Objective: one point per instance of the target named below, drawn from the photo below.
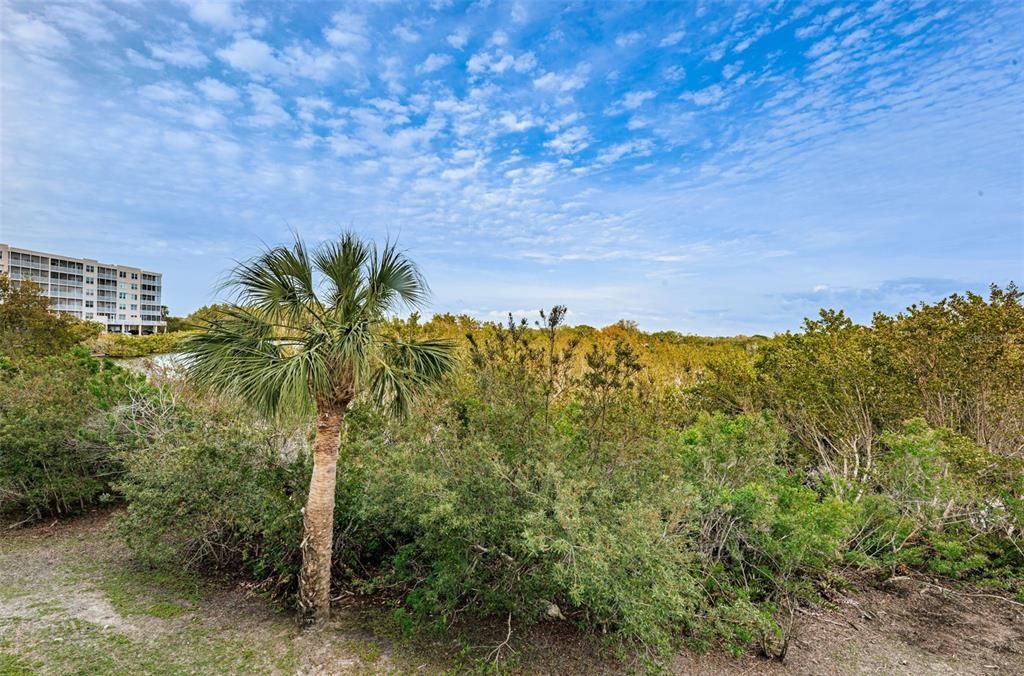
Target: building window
(135, 286)
(135, 275)
(135, 307)
(120, 316)
(89, 303)
(122, 295)
(121, 274)
(88, 280)
(88, 268)
(121, 307)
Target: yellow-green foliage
(118, 346)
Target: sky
(712, 168)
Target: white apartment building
(122, 298)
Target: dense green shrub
(207, 484)
(55, 454)
(941, 502)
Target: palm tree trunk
(318, 521)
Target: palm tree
(306, 333)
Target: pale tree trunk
(318, 522)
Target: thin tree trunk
(318, 521)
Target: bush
(548, 481)
(207, 485)
(940, 502)
(120, 346)
(55, 454)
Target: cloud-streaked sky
(707, 167)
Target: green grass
(73, 646)
(368, 652)
(12, 665)
(135, 589)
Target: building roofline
(33, 252)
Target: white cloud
(729, 71)
(639, 148)
(347, 31)
(675, 73)
(570, 141)
(635, 99)
(90, 21)
(512, 122)
(520, 14)
(628, 39)
(215, 90)
(266, 107)
(708, 96)
(251, 56)
(459, 38)
(392, 74)
(500, 62)
(32, 34)
(554, 82)
(185, 54)
(217, 13)
(315, 65)
(165, 92)
(433, 63)
(405, 33)
(141, 61)
(820, 47)
(672, 38)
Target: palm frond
(406, 367)
(241, 354)
(279, 283)
(393, 278)
(343, 264)
(285, 349)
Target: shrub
(940, 502)
(120, 346)
(55, 456)
(208, 485)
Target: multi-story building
(122, 298)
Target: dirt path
(73, 601)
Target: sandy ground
(73, 601)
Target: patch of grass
(12, 665)
(9, 592)
(45, 608)
(136, 590)
(367, 651)
(78, 647)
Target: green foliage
(942, 502)
(29, 329)
(55, 455)
(962, 361)
(209, 485)
(120, 346)
(568, 475)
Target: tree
(307, 331)
(28, 327)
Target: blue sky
(712, 168)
